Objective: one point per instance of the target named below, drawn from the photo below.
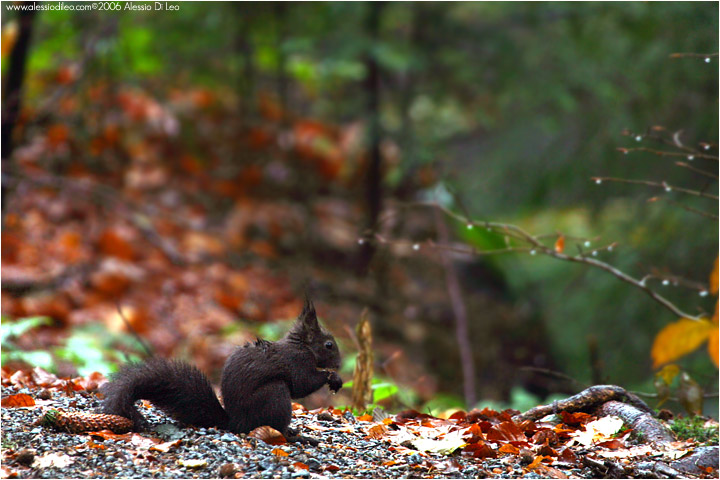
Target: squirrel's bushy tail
(177, 388)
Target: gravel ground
(30, 451)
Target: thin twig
(537, 247)
(460, 313)
(696, 55)
(685, 207)
(665, 153)
(663, 185)
(133, 332)
(697, 170)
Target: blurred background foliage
(511, 106)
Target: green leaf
(36, 358)
(384, 390)
(14, 329)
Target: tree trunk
(373, 178)
(13, 87)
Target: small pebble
(349, 416)
(227, 470)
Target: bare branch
(665, 153)
(664, 185)
(685, 207)
(535, 246)
(697, 170)
(693, 55)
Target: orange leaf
(536, 463)
(713, 344)
(679, 339)
(509, 448)
(279, 452)
(19, 400)
(560, 244)
(714, 278)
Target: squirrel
(258, 382)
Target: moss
(695, 428)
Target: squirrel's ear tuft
(308, 316)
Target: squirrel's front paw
(334, 382)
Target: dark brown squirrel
(258, 382)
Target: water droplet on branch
(666, 282)
(707, 59)
(416, 246)
(703, 293)
(638, 138)
(587, 243)
(598, 181)
(469, 226)
(691, 157)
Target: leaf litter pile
(479, 443)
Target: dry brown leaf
(19, 400)
(506, 432)
(268, 435)
(376, 431)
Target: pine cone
(76, 422)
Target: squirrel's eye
(329, 345)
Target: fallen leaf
(549, 472)
(613, 444)
(192, 463)
(279, 452)
(268, 435)
(19, 400)
(167, 446)
(599, 430)
(536, 463)
(509, 448)
(575, 418)
(376, 431)
(480, 450)
(52, 460)
(506, 432)
(444, 446)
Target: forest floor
(479, 444)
